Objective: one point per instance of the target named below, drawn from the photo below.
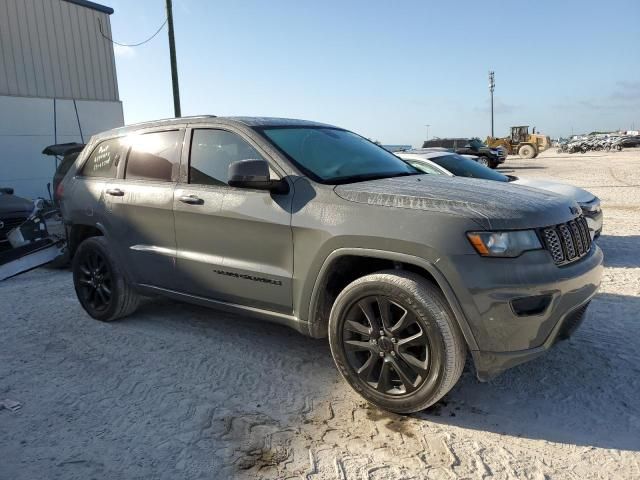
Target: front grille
(9, 224)
(567, 242)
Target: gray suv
(317, 228)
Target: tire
(527, 151)
(484, 161)
(493, 165)
(437, 356)
(101, 287)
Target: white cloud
(122, 51)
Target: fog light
(527, 306)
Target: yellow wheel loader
(521, 142)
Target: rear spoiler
(62, 149)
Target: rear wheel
(101, 287)
(527, 151)
(394, 339)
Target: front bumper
(490, 364)
(490, 287)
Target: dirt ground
(180, 392)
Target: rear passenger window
(154, 156)
(212, 151)
(103, 161)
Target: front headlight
(591, 207)
(504, 244)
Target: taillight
(59, 192)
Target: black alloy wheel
(95, 280)
(386, 346)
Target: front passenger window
(212, 151)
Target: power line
(131, 44)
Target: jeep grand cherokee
(315, 227)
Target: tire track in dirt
(183, 392)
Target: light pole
(174, 65)
(492, 86)
(427, 131)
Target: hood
(578, 195)
(493, 205)
(11, 206)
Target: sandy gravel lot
(180, 392)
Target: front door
(234, 244)
(140, 201)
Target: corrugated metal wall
(52, 48)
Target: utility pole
(174, 66)
(427, 131)
(492, 86)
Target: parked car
(489, 157)
(14, 210)
(451, 164)
(315, 227)
(630, 142)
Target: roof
(277, 122)
(92, 6)
(248, 121)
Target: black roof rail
(169, 119)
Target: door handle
(191, 199)
(115, 192)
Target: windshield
(465, 167)
(333, 156)
(476, 143)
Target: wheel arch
(79, 232)
(366, 261)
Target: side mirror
(7, 190)
(254, 173)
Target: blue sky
(385, 69)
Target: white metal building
(58, 84)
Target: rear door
(234, 245)
(140, 201)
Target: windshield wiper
(363, 177)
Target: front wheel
(394, 339)
(484, 161)
(101, 287)
(527, 151)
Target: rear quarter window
(103, 161)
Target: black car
(630, 142)
(489, 157)
(14, 211)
